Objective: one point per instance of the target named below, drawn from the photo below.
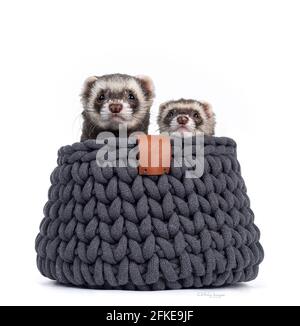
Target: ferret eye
(131, 96)
(101, 97)
(170, 114)
(196, 115)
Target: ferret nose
(115, 107)
(183, 120)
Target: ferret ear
(87, 86)
(162, 106)
(147, 85)
(207, 109)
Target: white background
(241, 56)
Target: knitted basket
(112, 228)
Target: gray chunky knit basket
(112, 228)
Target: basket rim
(208, 140)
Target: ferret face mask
(186, 116)
(116, 99)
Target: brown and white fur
(186, 116)
(115, 100)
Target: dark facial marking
(193, 114)
(100, 100)
(128, 96)
(171, 114)
(101, 97)
(197, 118)
(169, 117)
(132, 99)
(131, 96)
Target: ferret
(186, 116)
(115, 100)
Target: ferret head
(111, 100)
(183, 116)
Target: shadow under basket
(112, 228)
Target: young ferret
(115, 100)
(186, 116)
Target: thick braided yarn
(112, 228)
